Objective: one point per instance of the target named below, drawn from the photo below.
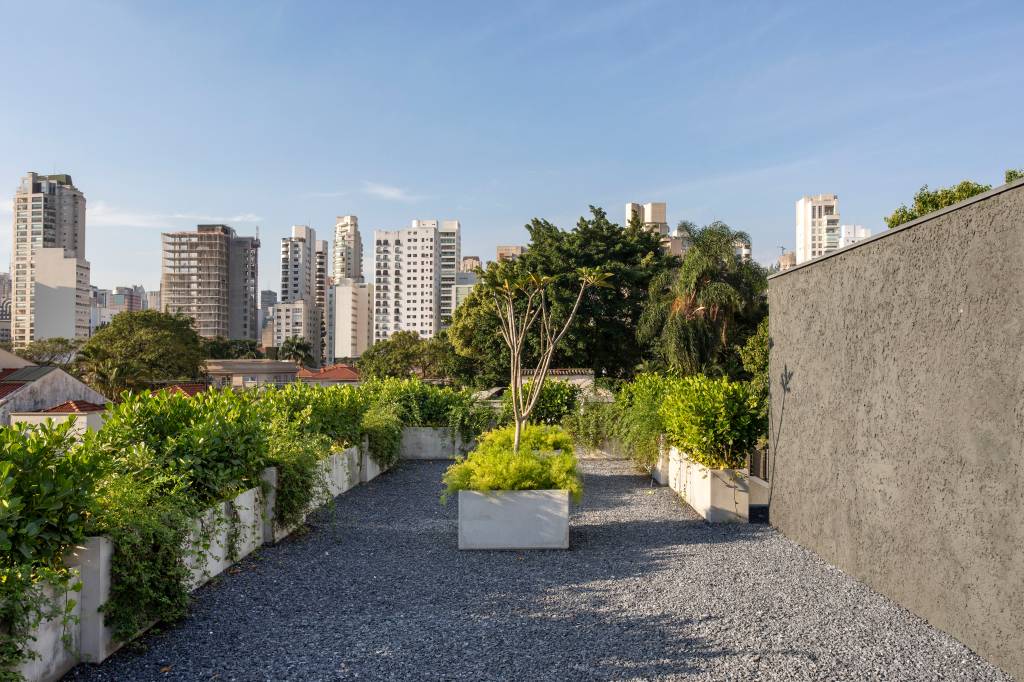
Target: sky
(268, 114)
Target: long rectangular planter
(514, 519)
(719, 495)
(341, 472)
(429, 442)
(56, 643)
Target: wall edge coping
(984, 196)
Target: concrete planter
(55, 643)
(514, 519)
(341, 471)
(660, 471)
(238, 522)
(428, 442)
(719, 495)
(368, 468)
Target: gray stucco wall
(900, 440)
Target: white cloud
(101, 214)
(389, 192)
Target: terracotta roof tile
(332, 373)
(189, 389)
(7, 389)
(76, 407)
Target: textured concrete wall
(900, 439)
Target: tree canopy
(928, 200)
(220, 348)
(296, 349)
(54, 352)
(697, 314)
(141, 349)
(603, 336)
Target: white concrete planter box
(719, 495)
(241, 517)
(660, 471)
(428, 442)
(368, 469)
(341, 473)
(55, 643)
(514, 519)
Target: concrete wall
(897, 370)
(429, 442)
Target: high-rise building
(470, 263)
(5, 286)
(787, 260)
(300, 311)
(509, 252)
(126, 299)
(211, 275)
(268, 297)
(851, 234)
(652, 216)
(449, 235)
(299, 265)
(153, 300)
(410, 266)
(299, 319)
(464, 283)
(349, 329)
(49, 273)
(742, 249)
(817, 226)
(348, 249)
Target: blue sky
(273, 114)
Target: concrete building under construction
(211, 275)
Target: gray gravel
(378, 590)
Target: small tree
(521, 302)
(296, 349)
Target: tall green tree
(698, 313)
(55, 352)
(296, 349)
(927, 201)
(220, 348)
(399, 356)
(603, 336)
(140, 350)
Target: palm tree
(298, 350)
(697, 312)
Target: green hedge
(716, 422)
(161, 459)
(545, 462)
(557, 400)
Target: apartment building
(817, 226)
(470, 263)
(464, 283)
(509, 252)
(49, 273)
(302, 319)
(212, 276)
(653, 217)
(414, 271)
(349, 326)
(304, 279)
(851, 234)
(348, 249)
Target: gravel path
(378, 590)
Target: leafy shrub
(383, 428)
(557, 400)
(334, 411)
(716, 422)
(422, 404)
(639, 423)
(545, 462)
(593, 424)
(297, 455)
(46, 485)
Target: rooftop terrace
(378, 590)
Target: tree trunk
(519, 430)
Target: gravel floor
(378, 590)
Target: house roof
(8, 388)
(339, 373)
(188, 388)
(76, 407)
(564, 372)
(250, 367)
(27, 374)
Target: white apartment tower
(348, 249)
(652, 216)
(410, 268)
(299, 265)
(49, 273)
(303, 289)
(817, 226)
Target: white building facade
(348, 249)
(817, 226)
(410, 266)
(49, 273)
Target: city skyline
(720, 104)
